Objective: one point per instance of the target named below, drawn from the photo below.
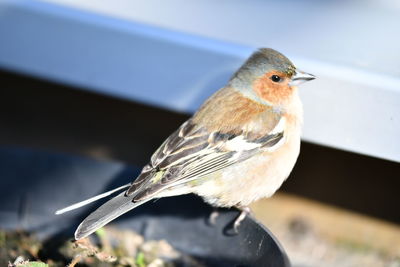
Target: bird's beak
(300, 77)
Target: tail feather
(90, 200)
(110, 210)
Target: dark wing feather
(184, 141)
(192, 152)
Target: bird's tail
(104, 214)
(110, 210)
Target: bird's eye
(276, 78)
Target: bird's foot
(233, 228)
(244, 212)
(212, 219)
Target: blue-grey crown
(259, 63)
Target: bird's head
(268, 77)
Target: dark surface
(44, 115)
(35, 184)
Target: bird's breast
(259, 176)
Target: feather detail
(110, 210)
(90, 200)
(192, 152)
(233, 112)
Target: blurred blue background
(175, 54)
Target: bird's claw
(239, 219)
(244, 212)
(212, 219)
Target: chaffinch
(237, 148)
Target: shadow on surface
(179, 220)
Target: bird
(238, 147)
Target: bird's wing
(192, 152)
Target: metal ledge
(348, 107)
